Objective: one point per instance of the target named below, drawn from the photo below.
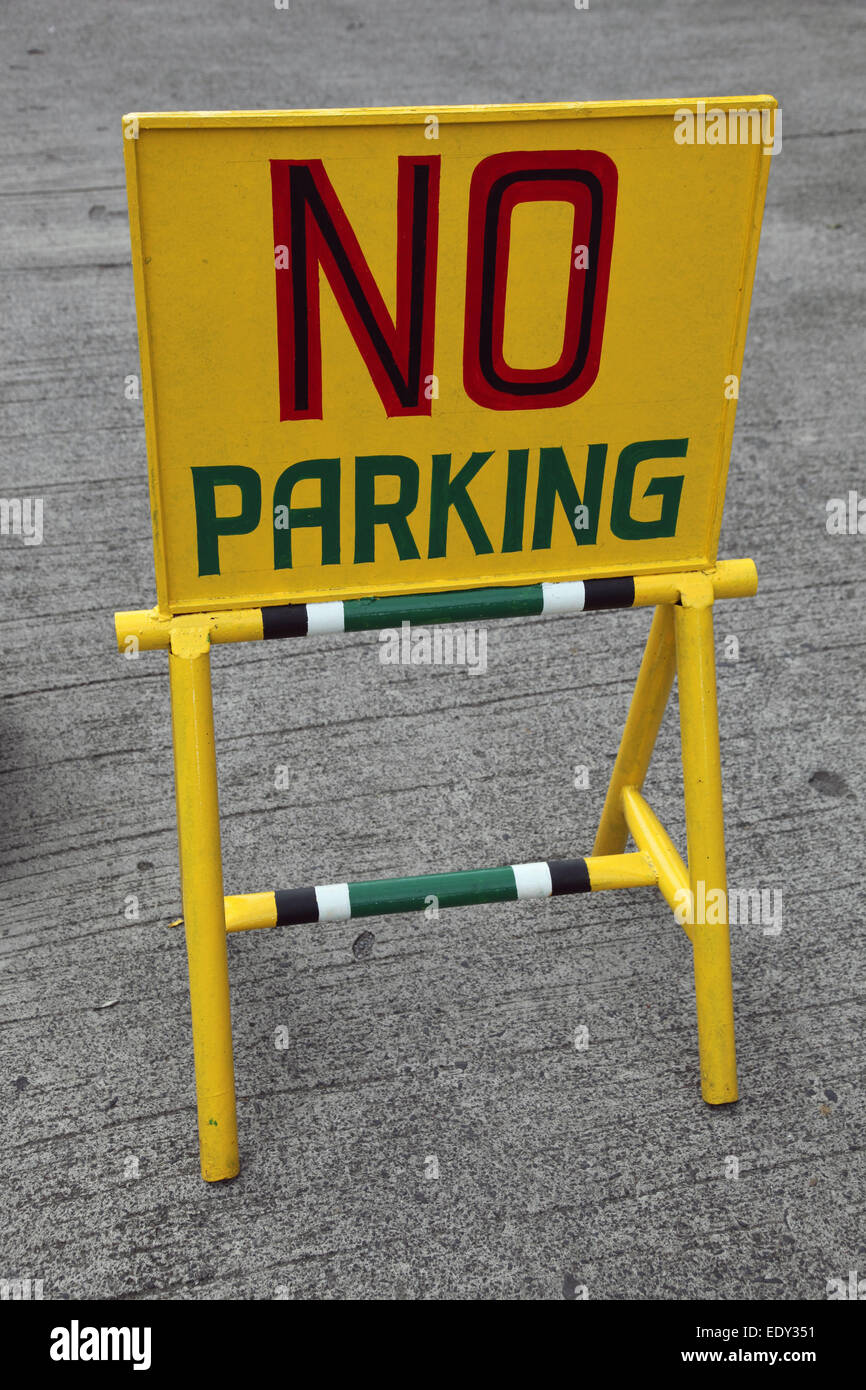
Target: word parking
(449, 499)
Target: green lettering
(369, 513)
(555, 480)
(515, 500)
(326, 515)
(447, 492)
(622, 523)
(209, 526)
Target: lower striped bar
(340, 902)
(455, 606)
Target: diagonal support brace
(650, 836)
(646, 711)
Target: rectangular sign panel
(397, 351)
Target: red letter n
(309, 220)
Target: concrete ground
(559, 1170)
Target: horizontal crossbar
(454, 606)
(339, 902)
(151, 630)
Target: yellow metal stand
(198, 831)
(650, 697)
(680, 639)
(705, 831)
(681, 636)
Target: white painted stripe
(332, 900)
(533, 880)
(325, 617)
(563, 598)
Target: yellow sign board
(399, 351)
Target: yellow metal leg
(702, 780)
(203, 910)
(641, 729)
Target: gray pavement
(559, 1169)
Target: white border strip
(563, 598)
(332, 900)
(532, 880)
(325, 617)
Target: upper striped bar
(458, 606)
(151, 630)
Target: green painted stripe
(368, 899)
(456, 606)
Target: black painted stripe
(286, 620)
(296, 906)
(569, 876)
(608, 593)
